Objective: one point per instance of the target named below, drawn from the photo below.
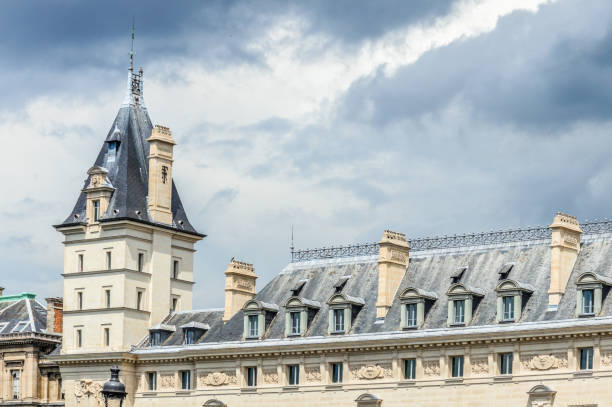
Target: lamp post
(114, 390)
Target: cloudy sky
(341, 118)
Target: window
(409, 369)
(79, 338)
(294, 374)
(107, 298)
(459, 311)
(80, 300)
(81, 258)
(457, 366)
(140, 262)
(186, 379)
(251, 376)
(505, 363)
(16, 384)
(339, 320)
(587, 302)
(152, 381)
(295, 322)
(156, 338)
(253, 326)
(189, 336)
(96, 210)
(586, 359)
(175, 269)
(411, 315)
(20, 326)
(174, 304)
(106, 336)
(508, 308)
(138, 300)
(337, 372)
(109, 260)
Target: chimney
(239, 287)
(565, 246)
(55, 315)
(392, 262)
(161, 149)
(1, 291)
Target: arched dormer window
(159, 333)
(299, 313)
(343, 309)
(193, 332)
(258, 316)
(462, 302)
(415, 305)
(511, 297)
(592, 289)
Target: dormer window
(159, 333)
(415, 306)
(258, 317)
(511, 297)
(343, 310)
(299, 314)
(113, 145)
(463, 301)
(193, 331)
(98, 193)
(96, 209)
(592, 289)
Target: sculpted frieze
(480, 366)
(371, 372)
(544, 362)
(168, 381)
(218, 379)
(270, 377)
(431, 367)
(313, 374)
(88, 389)
(606, 359)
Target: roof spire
(132, 49)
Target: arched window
(214, 403)
(368, 400)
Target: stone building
(510, 318)
(29, 333)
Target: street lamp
(113, 389)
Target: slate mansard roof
(22, 314)
(430, 271)
(128, 171)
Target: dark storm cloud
(545, 70)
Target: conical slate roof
(128, 167)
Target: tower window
(80, 300)
(139, 300)
(106, 336)
(80, 261)
(109, 260)
(174, 304)
(79, 338)
(175, 269)
(107, 298)
(140, 262)
(96, 210)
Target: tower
(128, 248)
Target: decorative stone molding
(431, 368)
(88, 389)
(480, 366)
(371, 372)
(606, 359)
(218, 379)
(313, 375)
(168, 381)
(270, 377)
(544, 362)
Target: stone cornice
(29, 338)
(112, 309)
(92, 358)
(111, 271)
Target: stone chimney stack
(239, 287)
(392, 263)
(55, 315)
(565, 246)
(160, 174)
